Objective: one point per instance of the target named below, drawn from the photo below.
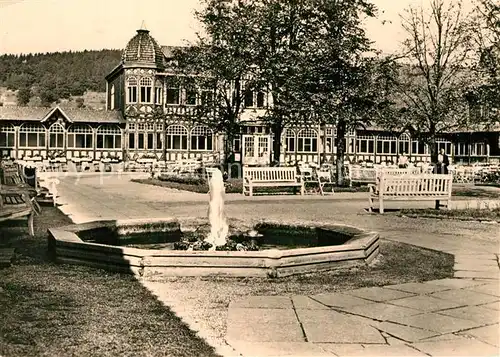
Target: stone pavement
(452, 317)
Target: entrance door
(256, 149)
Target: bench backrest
(370, 174)
(415, 184)
(270, 174)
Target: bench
(270, 177)
(369, 175)
(16, 203)
(423, 187)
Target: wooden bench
(270, 177)
(16, 203)
(370, 175)
(423, 187)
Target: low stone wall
(65, 246)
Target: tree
(484, 92)
(433, 78)
(23, 96)
(221, 64)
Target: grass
(475, 191)
(464, 214)
(63, 310)
(234, 186)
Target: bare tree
(436, 69)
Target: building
(150, 114)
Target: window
(461, 149)
(237, 144)
(260, 100)
(478, 149)
(172, 95)
(56, 136)
(80, 137)
(418, 148)
(207, 97)
(307, 140)
(131, 140)
(249, 99)
(443, 144)
(159, 140)
(404, 144)
(201, 138)
(112, 97)
(132, 90)
(386, 145)
(191, 97)
(109, 137)
(365, 144)
(290, 140)
(32, 136)
(176, 137)
(158, 93)
(146, 87)
(7, 134)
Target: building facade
(150, 113)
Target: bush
(187, 180)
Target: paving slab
(457, 348)
(464, 297)
(493, 268)
(489, 334)
(343, 349)
(475, 256)
(378, 294)
(264, 332)
(426, 303)
(490, 289)
(263, 302)
(474, 313)
(455, 283)
(305, 302)
(275, 349)
(379, 350)
(437, 322)
(341, 330)
(249, 315)
(406, 333)
(418, 288)
(339, 300)
(492, 306)
(381, 311)
(493, 275)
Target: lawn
(464, 214)
(62, 310)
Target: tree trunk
(277, 132)
(341, 131)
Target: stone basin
(287, 248)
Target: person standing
(442, 162)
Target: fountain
(214, 245)
(219, 228)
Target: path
(457, 316)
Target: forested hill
(58, 75)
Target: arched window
(307, 140)
(201, 138)
(404, 144)
(7, 134)
(109, 137)
(112, 97)
(365, 144)
(176, 137)
(32, 135)
(146, 86)
(386, 144)
(290, 140)
(80, 136)
(132, 90)
(56, 136)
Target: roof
(168, 51)
(75, 115)
(143, 48)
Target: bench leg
(250, 190)
(437, 204)
(302, 189)
(31, 229)
(381, 205)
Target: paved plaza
(451, 317)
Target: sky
(39, 26)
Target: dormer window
(112, 97)
(173, 95)
(132, 90)
(146, 87)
